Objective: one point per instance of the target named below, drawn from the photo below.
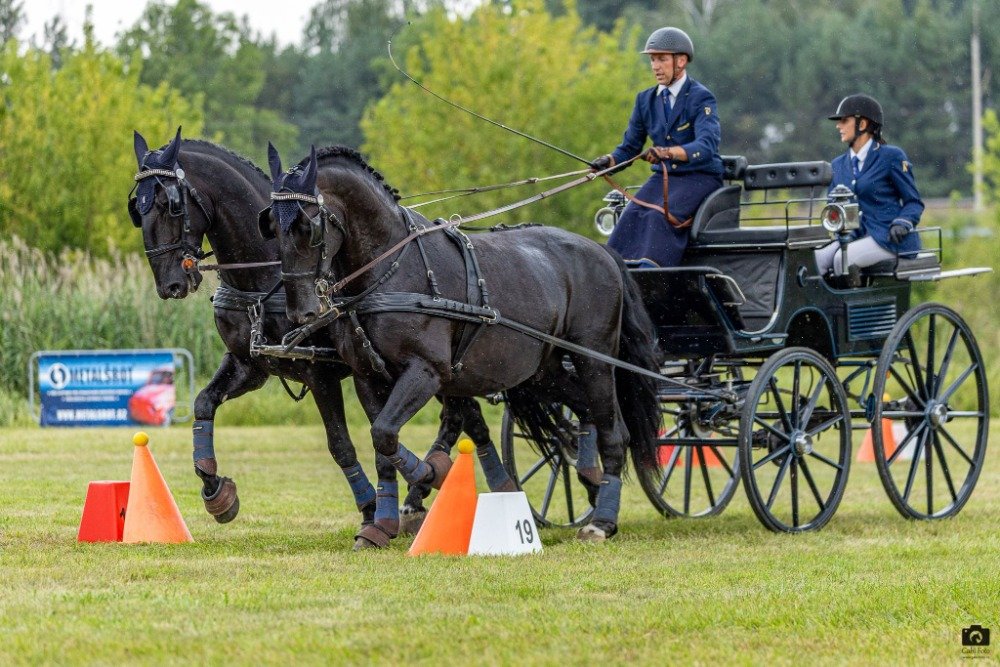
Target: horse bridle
(317, 235)
(177, 207)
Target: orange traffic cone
(867, 452)
(103, 512)
(448, 526)
(152, 514)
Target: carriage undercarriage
(772, 369)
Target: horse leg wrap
(387, 508)
(224, 504)
(204, 447)
(364, 492)
(496, 475)
(586, 456)
(410, 467)
(608, 500)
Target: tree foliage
(549, 76)
(212, 57)
(66, 162)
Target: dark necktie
(855, 165)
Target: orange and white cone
(152, 514)
(448, 526)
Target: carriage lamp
(840, 215)
(606, 218)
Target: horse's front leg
(329, 398)
(233, 378)
(413, 512)
(416, 385)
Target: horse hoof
(371, 536)
(440, 463)
(224, 504)
(594, 533)
(410, 522)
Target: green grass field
(281, 585)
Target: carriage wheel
(692, 481)
(932, 367)
(546, 472)
(795, 441)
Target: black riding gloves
(602, 163)
(899, 229)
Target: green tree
(11, 20)
(212, 57)
(66, 160)
(551, 77)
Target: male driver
(679, 115)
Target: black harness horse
(189, 190)
(418, 308)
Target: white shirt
(674, 88)
(862, 154)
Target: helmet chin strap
(858, 133)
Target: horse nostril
(175, 290)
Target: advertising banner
(106, 387)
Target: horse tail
(637, 393)
(540, 419)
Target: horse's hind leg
(234, 377)
(599, 388)
(329, 400)
(475, 425)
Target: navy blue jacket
(886, 192)
(693, 124)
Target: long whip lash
(482, 117)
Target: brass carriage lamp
(840, 217)
(606, 218)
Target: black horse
(413, 316)
(188, 190)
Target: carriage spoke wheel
(795, 441)
(691, 481)
(546, 472)
(932, 373)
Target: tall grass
(76, 301)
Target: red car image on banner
(153, 403)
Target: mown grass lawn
(281, 585)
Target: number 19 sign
(503, 526)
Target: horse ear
(170, 152)
(274, 161)
(139, 142)
(309, 179)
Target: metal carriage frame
(769, 367)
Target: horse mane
(355, 157)
(221, 152)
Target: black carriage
(768, 365)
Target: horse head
(172, 228)
(309, 231)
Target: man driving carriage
(680, 116)
(881, 177)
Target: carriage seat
(718, 218)
(925, 263)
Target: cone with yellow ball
(448, 525)
(866, 454)
(152, 514)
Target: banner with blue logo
(106, 387)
